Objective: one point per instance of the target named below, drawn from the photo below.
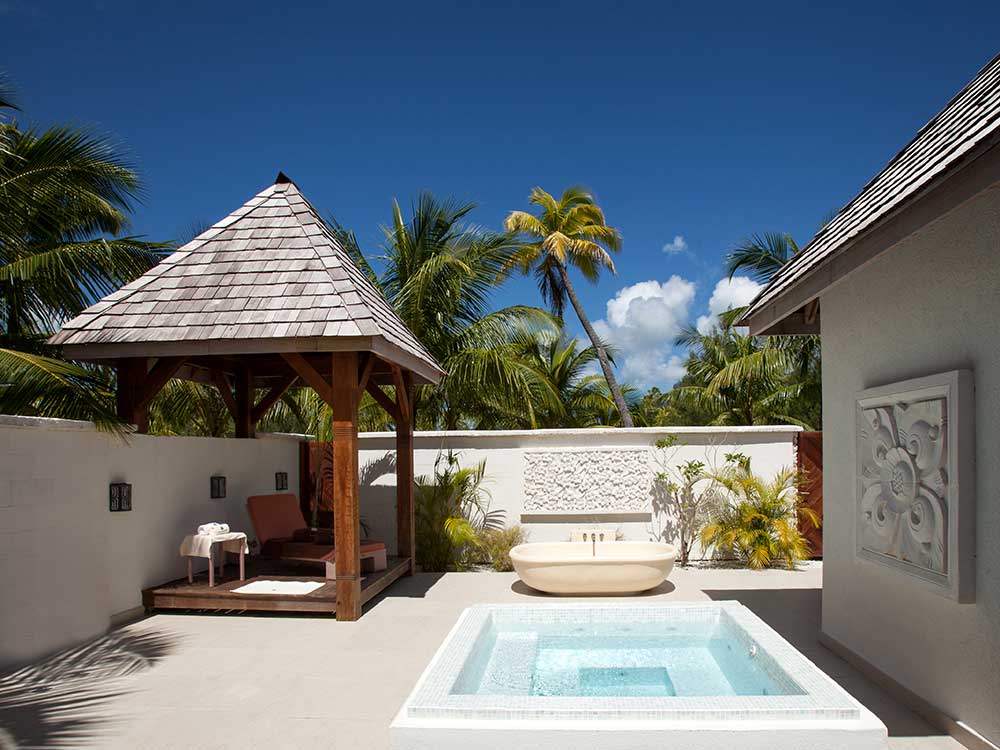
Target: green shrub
(496, 545)
(452, 508)
(757, 522)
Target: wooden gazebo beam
(272, 397)
(137, 384)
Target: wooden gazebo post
(346, 516)
(405, 521)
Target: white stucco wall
(68, 564)
(928, 305)
(604, 459)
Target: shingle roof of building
(269, 271)
(938, 149)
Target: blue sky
(694, 125)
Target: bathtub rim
(520, 553)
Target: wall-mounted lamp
(281, 480)
(218, 488)
(119, 497)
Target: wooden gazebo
(263, 301)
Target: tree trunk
(602, 356)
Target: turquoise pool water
(620, 660)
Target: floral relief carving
(587, 481)
(903, 464)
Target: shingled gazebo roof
(267, 279)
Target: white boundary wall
(606, 496)
(70, 568)
(68, 565)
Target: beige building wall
(928, 305)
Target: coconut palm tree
(763, 255)
(65, 196)
(566, 395)
(439, 271)
(570, 231)
(607, 413)
(562, 393)
(737, 378)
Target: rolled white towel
(209, 529)
(223, 528)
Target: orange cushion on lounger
(275, 516)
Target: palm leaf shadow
(63, 701)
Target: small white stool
(202, 545)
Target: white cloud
(677, 245)
(728, 293)
(642, 322)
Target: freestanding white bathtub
(593, 568)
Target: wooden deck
(198, 595)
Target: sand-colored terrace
(217, 681)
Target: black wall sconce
(119, 497)
(218, 488)
(281, 480)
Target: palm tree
(562, 393)
(560, 366)
(184, 407)
(738, 379)
(65, 194)
(607, 413)
(568, 231)
(439, 273)
(763, 255)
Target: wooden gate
(809, 457)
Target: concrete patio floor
(217, 681)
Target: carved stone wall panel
(916, 480)
(904, 482)
(587, 481)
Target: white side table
(202, 545)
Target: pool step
(511, 665)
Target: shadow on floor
(796, 615)
(519, 587)
(409, 587)
(62, 701)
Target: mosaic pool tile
(448, 688)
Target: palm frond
(33, 385)
(761, 255)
